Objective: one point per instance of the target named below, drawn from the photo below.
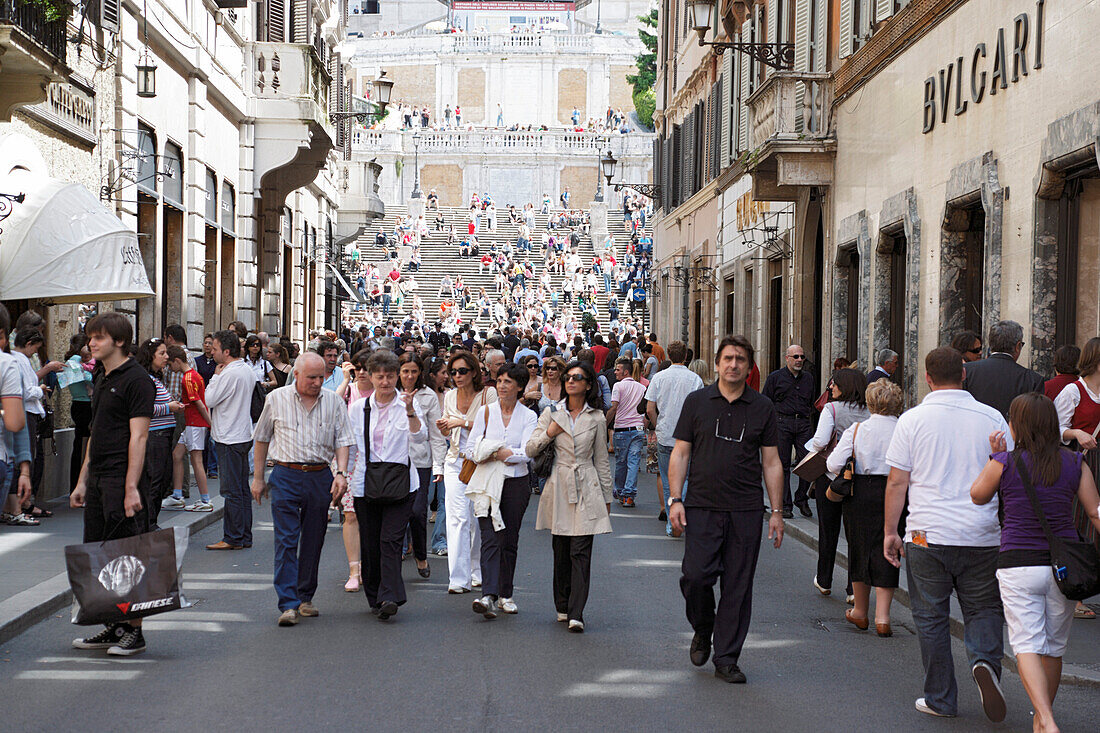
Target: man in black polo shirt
(727, 434)
(792, 390)
(112, 486)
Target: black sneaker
(104, 639)
(730, 673)
(132, 642)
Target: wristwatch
(341, 473)
(674, 500)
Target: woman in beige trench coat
(576, 502)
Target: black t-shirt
(726, 437)
(125, 393)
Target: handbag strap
(855, 434)
(1025, 478)
(366, 430)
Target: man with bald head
(301, 429)
(792, 390)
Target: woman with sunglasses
(427, 457)
(460, 406)
(356, 386)
(551, 391)
(531, 394)
(576, 503)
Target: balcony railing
(31, 19)
(791, 106)
(498, 141)
(288, 72)
(519, 43)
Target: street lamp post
(608, 163)
(416, 166)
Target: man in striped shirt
(301, 429)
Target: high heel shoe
(859, 623)
(425, 572)
(354, 578)
(883, 630)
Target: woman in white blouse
(396, 425)
(512, 424)
(427, 457)
(864, 510)
(847, 405)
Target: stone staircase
(439, 258)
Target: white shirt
(229, 398)
(395, 447)
(944, 443)
(1067, 402)
(871, 444)
(32, 392)
(836, 416)
(667, 391)
(11, 385)
(515, 436)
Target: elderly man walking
(792, 390)
(998, 379)
(885, 366)
(301, 429)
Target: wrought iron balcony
(32, 21)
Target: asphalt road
(224, 664)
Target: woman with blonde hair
(701, 368)
(865, 510)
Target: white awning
(61, 245)
(351, 291)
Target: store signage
(1008, 60)
(531, 7)
(69, 108)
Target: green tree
(645, 100)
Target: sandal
(1084, 612)
(37, 512)
(23, 520)
(354, 578)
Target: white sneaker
(507, 605)
(200, 506)
(922, 706)
(172, 503)
(577, 627)
(562, 618)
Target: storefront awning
(61, 245)
(340, 278)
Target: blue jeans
(663, 453)
(299, 513)
(386, 298)
(233, 476)
(607, 282)
(971, 572)
(629, 450)
(439, 532)
(210, 454)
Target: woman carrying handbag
(384, 480)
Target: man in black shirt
(792, 390)
(727, 435)
(112, 486)
(438, 339)
(510, 343)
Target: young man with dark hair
(192, 440)
(113, 487)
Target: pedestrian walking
(997, 379)
(460, 406)
(864, 510)
(385, 426)
(112, 487)
(301, 430)
(629, 431)
(726, 441)
(792, 390)
(355, 389)
(575, 504)
(848, 406)
(78, 361)
(939, 447)
(152, 355)
(1038, 615)
(428, 457)
(229, 399)
(500, 436)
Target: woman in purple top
(1037, 614)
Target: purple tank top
(1021, 530)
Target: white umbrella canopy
(61, 245)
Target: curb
(27, 608)
(1071, 673)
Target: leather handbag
(842, 487)
(542, 465)
(384, 482)
(468, 466)
(1075, 564)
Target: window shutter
(688, 146)
(743, 109)
(883, 10)
(771, 32)
(725, 103)
(846, 30)
(275, 18)
(676, 167)
(802, 22)
(716, 128)
(821, 36)
(299, 21)
(109, 12)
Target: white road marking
(649, 564)
(180, 625)
(631, 516)
(16, 540)
(224, 616)
(254, 577)
(661, 536)
(190, 585)
(80, 675)
(93, 660)
(600, 689)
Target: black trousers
(158, 470)
(794, 432)
(720, 545)
(499, 549)
(104, 511)
(572, 571)
(381, 533)
(81, 413)
(830, 517)
(418, 520)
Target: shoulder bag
(384, 482)
(468, 466)
(841, 487)
(812, 465)
(542, 465)
(1075, 564)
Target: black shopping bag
(127, 578)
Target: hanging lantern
(146, 76)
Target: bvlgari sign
(989, 70)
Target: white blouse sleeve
(824, 429)
(841, 452)
(1066, 404)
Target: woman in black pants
(427, 457)
(509, 425)
(80, 409)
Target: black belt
(623, 430)
(783, 414)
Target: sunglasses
(462, 371)
(533, 366)
(974, 351)
(576, 378)
(549, 368)
(798, 357)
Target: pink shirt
(628, 394)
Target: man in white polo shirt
(629, 431)
(665, 396)
(951, 544)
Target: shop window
(210, 211)
(147, 160)
(1077, 310)
(731, 307)
(748, 312)
(847, 289)
(894, 252)
(775, 316)
(963, 265)
(172, 170)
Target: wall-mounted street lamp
(383, 89)
(607, 165)
(776, 55)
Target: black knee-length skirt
(864, 515)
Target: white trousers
(463, 534)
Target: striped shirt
(162, 416)
(299, 436)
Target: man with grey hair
(494, 360)
(885, 366)
(525, 351)
(998, 379)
